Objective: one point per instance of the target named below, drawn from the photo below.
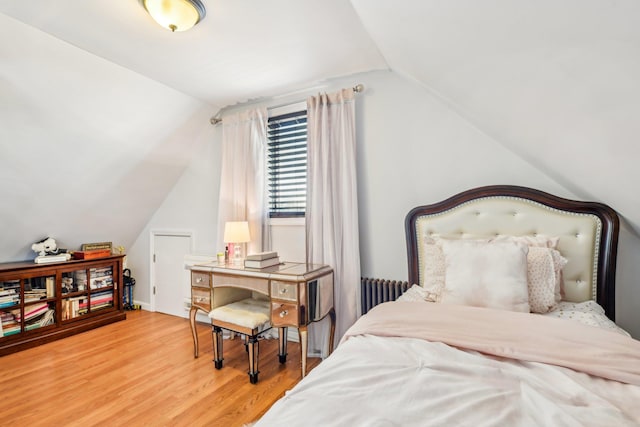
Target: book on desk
(262, 260)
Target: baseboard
(143, 305)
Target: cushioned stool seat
(250, 317)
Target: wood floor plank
(141, 371)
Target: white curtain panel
(243, 187)
(332, 204)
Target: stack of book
(262, 260)
(101, 277)
(31, 311)
(9, 293)
(8, 324)
(100, 300)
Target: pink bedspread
(498, 369)
(519, 336)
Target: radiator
(376, 291)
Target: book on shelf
(96, 245)
(45, 259)
(10, 328)
(7, 292)
(92, 254)
(50, 284)
(48, 318)
(10, 298)
(262, 256)
(32, 311)
(269, 262)
(8, 304)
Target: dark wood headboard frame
(606, 277)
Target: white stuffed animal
(45, 247)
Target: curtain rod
(215, 119)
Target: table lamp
(236, 233)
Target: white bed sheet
(398, 381)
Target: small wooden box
(96, 253)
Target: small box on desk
(92, 254)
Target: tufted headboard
(587, 231)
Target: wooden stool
(249, 317)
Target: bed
(510, 321)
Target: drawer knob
(283, 290)
(283, 313)
(198, 279)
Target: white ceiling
(241, 50)
(553, 81)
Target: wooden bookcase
(44, 302)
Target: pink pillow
(542, 280)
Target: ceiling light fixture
(175, 15)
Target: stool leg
(217, 347)
(282, 344)
(253, 348)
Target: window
(287, 164)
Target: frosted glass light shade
(236, 232)
(175, 15)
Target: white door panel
(170, 277)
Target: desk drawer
(257, 284)
(201, 298)
(200, 280)
(284, 314)
(284, 290)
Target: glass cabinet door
(39, 308)
(75, 302)
(101, 288)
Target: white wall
(192, 205)
(412, 150)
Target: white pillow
(588, 312)
(433, 264)
(492, 275)
(541, 292)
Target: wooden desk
(300, 294)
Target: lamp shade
(236, 232)
(175, 15)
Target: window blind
(287, 164)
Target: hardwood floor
(141, 371)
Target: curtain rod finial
(358, 88)
(215, 120)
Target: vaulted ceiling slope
(556, 82)
(88, 149)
